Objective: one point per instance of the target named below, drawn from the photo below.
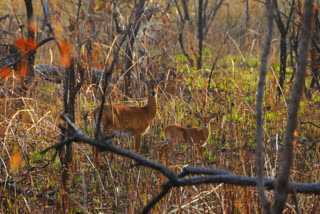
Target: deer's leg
(95, 150)
(200, 150)
(193, 156)
(95, 156)
(193, 152)
(168, 148)
(163, 151)
(138, 141)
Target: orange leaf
(16, 160)
(295, 133)
(65, 59)
(294, 144)
(31, 44)
(65, 49)
(26, 44)
(19, 43)
(4, 72)
(22, 70)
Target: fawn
(176, 134)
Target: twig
(102, 25)
(294, 195)
(106, 79)
(11, 186)
(309, 122)
(218, 54)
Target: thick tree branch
(260, 93)
(281, 191)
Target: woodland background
(212, 53)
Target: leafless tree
(283, 29)
(31, 54)
(135, 26)
(207, 11)
(282, 187)
(259, 129)
(206, 15)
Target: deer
(124, 120)
(198, 137)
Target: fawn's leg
(95, 156)
(164, 150)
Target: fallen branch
(55, 73)
(11, 186)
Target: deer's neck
(206, 131)
(151, 107)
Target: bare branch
(11, 186)
(218, 54)
(309, 122)
(281, 191)
(107, 78)
(260, 93)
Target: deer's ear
(160, 78)
(144, 79)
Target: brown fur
(123, 120)
(176, 134)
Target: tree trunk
(31, 54)
(129, 49)
(66, 153)
(200, 33)
(282, 187)
(283, 62)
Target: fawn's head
(152, 84)
(205, 119)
